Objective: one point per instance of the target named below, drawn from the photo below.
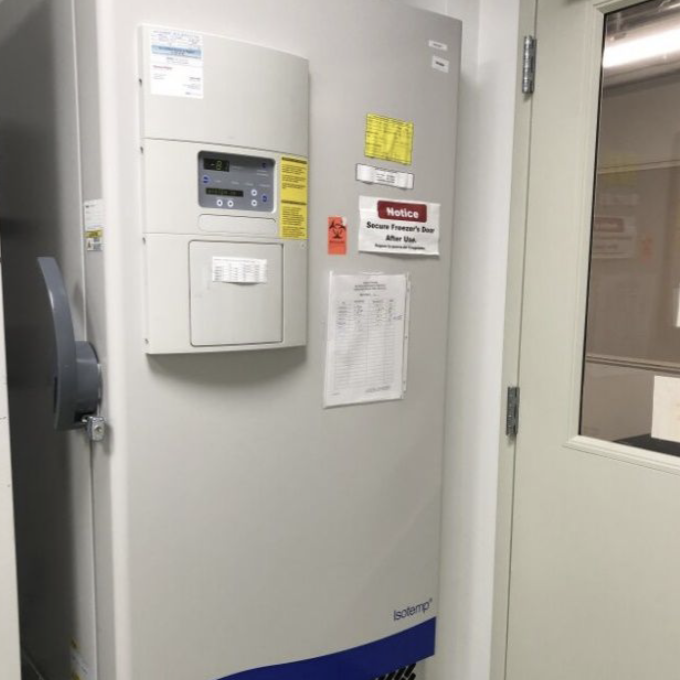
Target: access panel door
(595, 548)
(236, 293)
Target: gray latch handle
(77, 380)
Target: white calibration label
(176, 64)
(371, 175)
(239, 270)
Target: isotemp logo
(421, 608)
(406, 212)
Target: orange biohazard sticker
(337, 235)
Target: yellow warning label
(389, 139)
(293, 192)
(79, 670)
(94, 239)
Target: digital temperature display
(214, 191)
(231, 181)
(216, 164)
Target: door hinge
(529, 64)
(512, 413)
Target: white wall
(485, 135)
(9, 624)
(9, 634)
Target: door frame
(511, 349)
(512, 341)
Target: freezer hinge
(529, 64)
(512, 413)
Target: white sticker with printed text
(93, 224)
(176, 62)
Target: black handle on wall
(77, 379)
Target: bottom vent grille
(408, 673)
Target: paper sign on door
(367, 338)
(398, 227)
(389, 139)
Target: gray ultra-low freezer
(208, 518)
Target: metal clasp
(95, 426)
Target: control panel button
(253, 203)
(253, 192)
(230, 204)
(206, 179)
(220, 202)
(264, 198)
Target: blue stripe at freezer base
(360, 663)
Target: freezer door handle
(77, 379)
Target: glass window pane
(633, 323)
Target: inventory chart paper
(367, 338)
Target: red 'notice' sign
(407, 212)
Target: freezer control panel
(224, 180)
(236, 182)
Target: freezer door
(253, 532)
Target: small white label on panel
(239, 270)
(435, 45)
(372, 175)
(440, 64)
(93, 224)
(176, 64)
(666, 409)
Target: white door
(595, 563)
(9, 620)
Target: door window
(631, 385)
